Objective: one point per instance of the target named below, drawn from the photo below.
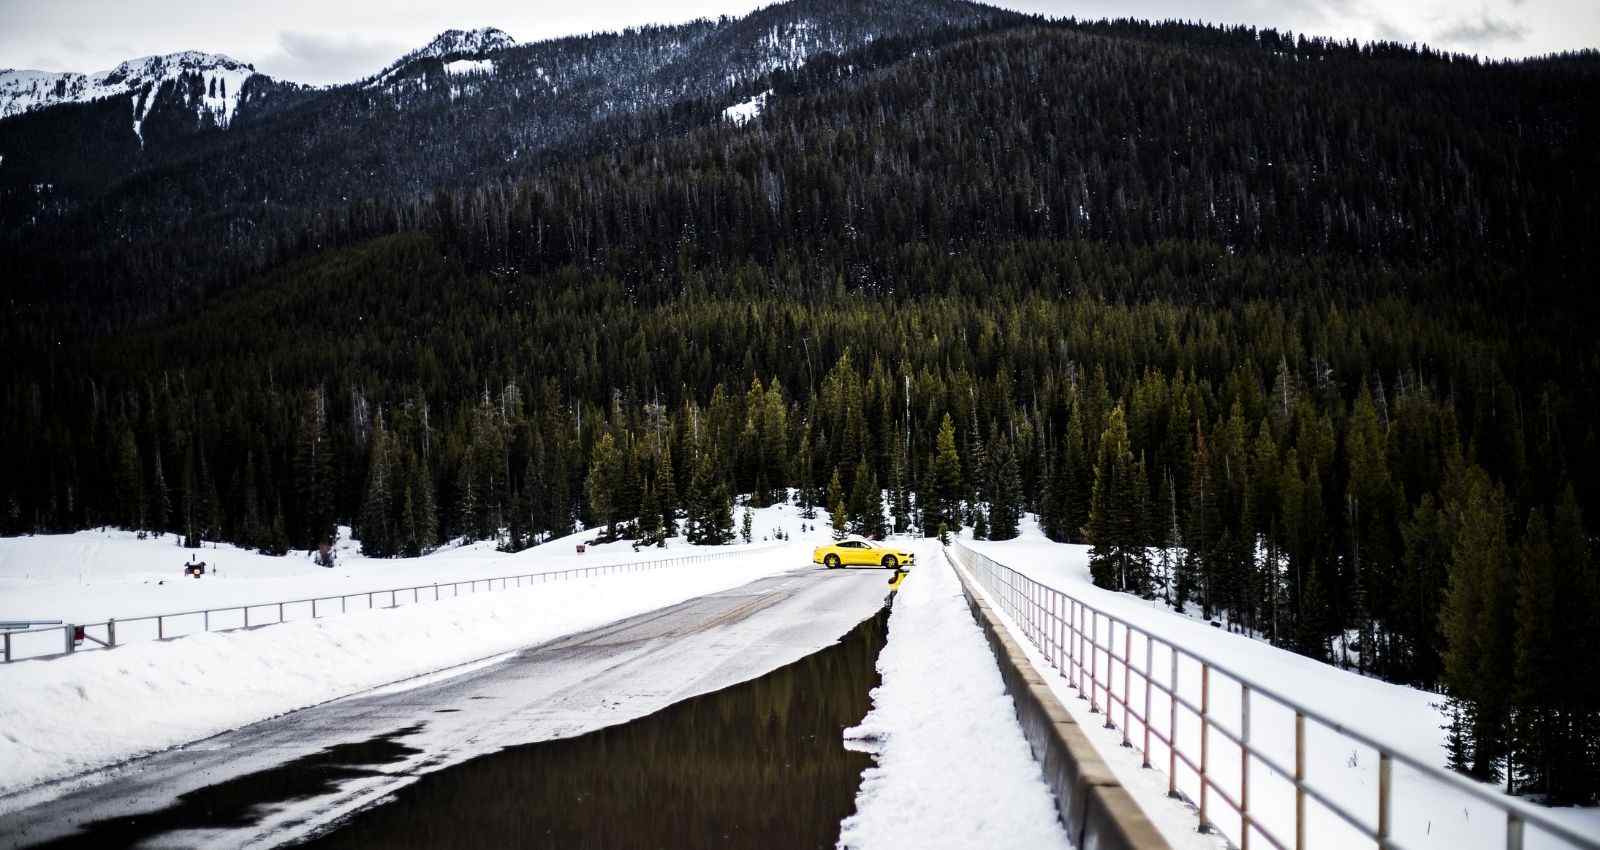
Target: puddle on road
(243, 800)
(758, 765)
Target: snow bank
(73, 714)
(953, 769)
(1426, 813)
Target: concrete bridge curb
(1098, 812)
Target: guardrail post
(1384, 770)
(69, 629)
(161, 627)
(7, 637)
(247, 616)
(436, 592)
(1299, 781)
(342, 608)
(1244, 766)
(1513, 831)
(111, 631)
(1205, 740)
(206, 619)
(280, 612)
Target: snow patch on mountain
(462, 67)
(739, 113)
(221, 79)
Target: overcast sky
(332, 41)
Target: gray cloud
(1481, 30)
(314, 57)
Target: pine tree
(838, 508)
(1119, 559)
(1537, 685)
(129, 482)
(313, 474)
(866, 503)
(376, 530)
(943, 493)
(1478, 658)
(160, 496)
(666, 494)
(747, 526)
(1005, 507)
(605, 483)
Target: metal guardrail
(1081, 641)
(57, 641)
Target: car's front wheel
(890, 561)
(831, 562)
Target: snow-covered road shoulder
(70, 715)
(953, 768)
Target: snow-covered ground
(67, 715)
(953, 769)
(1426, 814)
(91, 576)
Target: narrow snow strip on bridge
(953, 769)
(66, 716)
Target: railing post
(1299, 781)
(205, 619)
(1383, 800)
(247, 616)
(313, 609)
(69, 629)
(111, 631)
(161, 626)
(342, 608)
(1244, 766)
(1127, 677)
(280, 612)
(1149, 680)
(1094, 661)
(1205, 740)
(7, 637)
(1513, 831)
(436, 591)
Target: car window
(850, 544)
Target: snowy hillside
(220, 85)
(1403, 718)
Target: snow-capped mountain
(213, 85)
(465, 45)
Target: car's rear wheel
(831, 562)
(890, 561)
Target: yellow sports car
(860, 553)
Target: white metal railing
(1081, 642)
(57, 641)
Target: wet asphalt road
(290, 777)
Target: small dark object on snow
(194, 568)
